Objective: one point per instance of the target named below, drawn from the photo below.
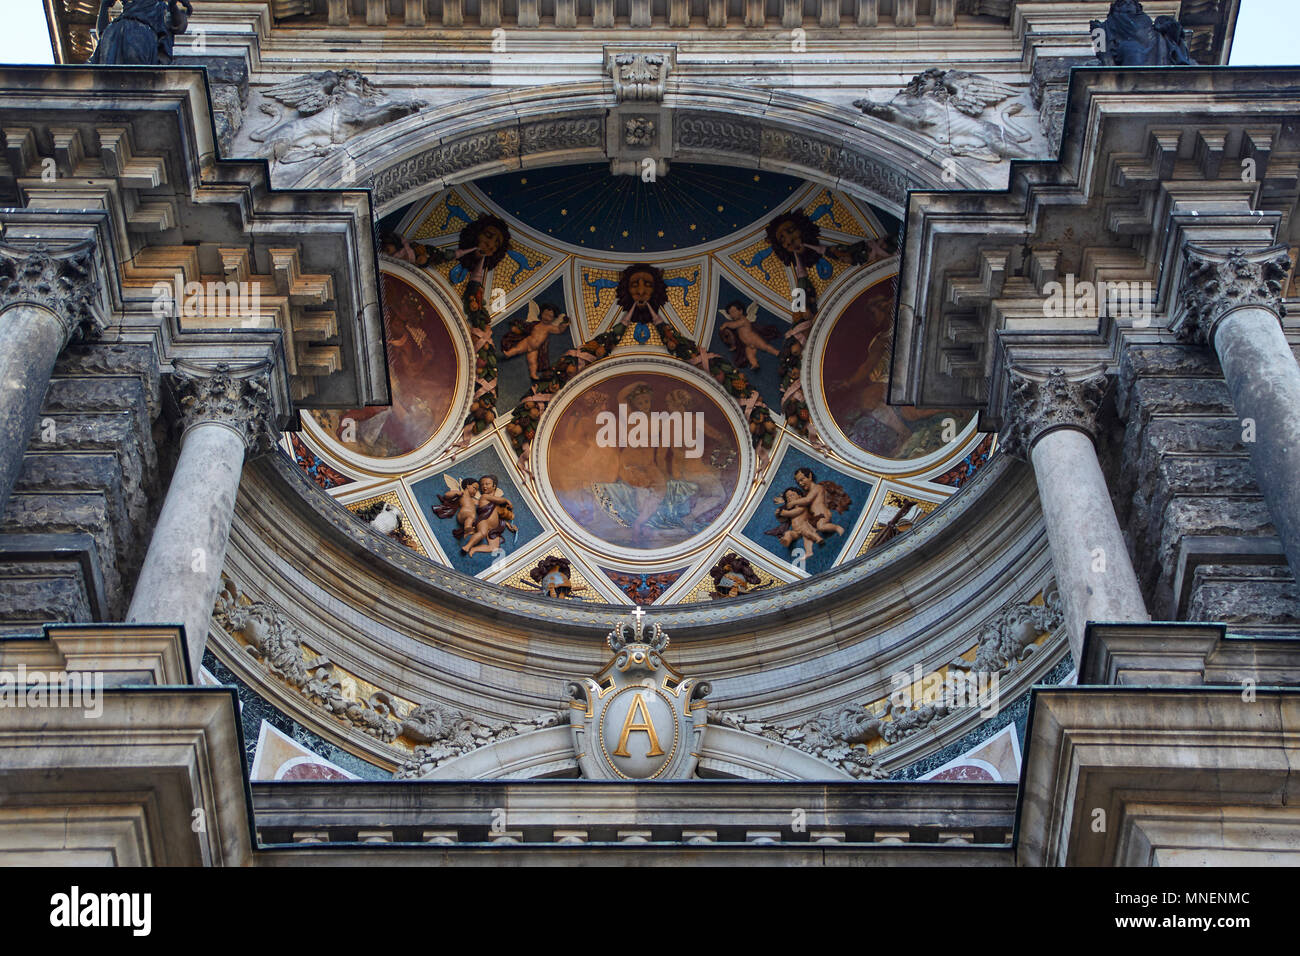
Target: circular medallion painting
(855, 382)
(643, 460)
(422, 375)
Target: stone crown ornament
(625, 634)
(1215, 284)
(62, 281)
(637, 718)
(1037, 406)
(240, 400)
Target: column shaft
(31, 338)
(182, 569)
(1263, 378)
(1093, 572)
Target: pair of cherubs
(805, 512)
(480, 509)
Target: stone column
(47, 297)
(225, 415)
(1052, 423)
(1233, 302)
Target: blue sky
(1259, 40)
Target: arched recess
(566, 123)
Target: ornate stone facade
(375, 659)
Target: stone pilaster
(1233, 302)
(1052, 422)
(226, 415)
(47, 297)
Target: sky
(1259, 40)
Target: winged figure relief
(313, 113)
(965, 113)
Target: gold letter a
(646, 724)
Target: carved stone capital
(1215, 284)
(1037, 406)
(640, 74)
(240, 400)
(62, 281)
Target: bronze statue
(1129, 37)
(143, 35)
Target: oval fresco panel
(855, 382)
(643, 460)
(421, 372)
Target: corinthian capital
(1037, 406)
(1214, 284)
(239, 399)
(61, 281)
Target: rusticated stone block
(69, 513)
(40, 592)
(1245, 594)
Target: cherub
(742, 336)
(819, 498)
(461, 502)
(399, 247)
(492, 517)
(529, 339)
(795, 521)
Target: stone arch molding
(564, 124)
(549, 753)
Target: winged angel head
(313, 113)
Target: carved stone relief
(965, 114)
(313, 114)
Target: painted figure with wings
(313, 113)
(964, 112)
(482, 511)
(459, 502)
(529, 337)
(743, 336)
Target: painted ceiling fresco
(617, 391)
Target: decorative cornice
(63, 282)
(240, 400)
(1215, 284)
(1037, 406)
